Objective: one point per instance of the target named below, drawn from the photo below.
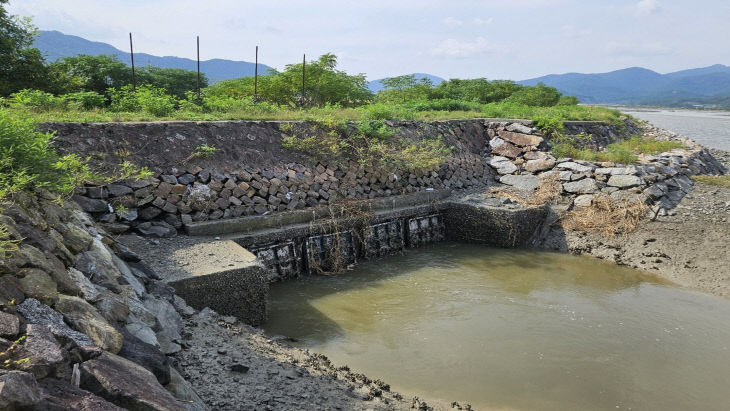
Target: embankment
(88, 321)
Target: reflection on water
(515, 329)
(709, 128)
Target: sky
(496, 39)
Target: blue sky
(513, 39)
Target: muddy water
(516, 330)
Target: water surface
(515, 330)
(709, 128)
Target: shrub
(568, 101)
(35, 100)
(28, 159)
(549, 126)
(85, 100)
(152, 100)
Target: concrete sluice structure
(314, 245)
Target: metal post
(131, 52)
(256, 75)
(304, 66)
(198, 37)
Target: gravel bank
(688, 246)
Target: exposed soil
(233, 366)
(689, 246)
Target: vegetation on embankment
(720, 181)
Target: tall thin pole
(198, 37)
(256, 75)
(304, 65)
(131, 52)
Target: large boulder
(183, 391)
(521, 182)
(9, 325)
(504, 148)
(623, 181)
(146, 355)
(40, 354)
(126, 384)
(19, 391)
(85, 318)
(503, 165)
(521, 139)
(61, 396)
(36, 312)
(37, 284)
(535, 166)
(169, 323)
(584, 186)
(76, 239)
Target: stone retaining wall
(84, 324)
(251, 174)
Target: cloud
(452, 22)
(456, 48)
(647, 7)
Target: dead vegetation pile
(547, 192)
(606, 216)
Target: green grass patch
(154, 109)
(624, 152)
(720, 181)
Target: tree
(175, 81)
(479, 90)
(324, 84)
(406, 88)
(21, 66)
(539, 95)
(90, 73)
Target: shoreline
(687, 246)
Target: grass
(625, 152)
(720, 181)
(606, 216)
(367, 112)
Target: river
(513, 329)
(709, 128)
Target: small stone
(624, 181)
(239, 368)
(584, 186)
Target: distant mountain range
(632, 86)
(56, 45)
(377, 85)
(639, 86)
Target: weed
(720, 181)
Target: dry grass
(606, 216)
(547, 192)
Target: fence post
(131, 52)
(198, 38)
(304, 67)
(256, 76)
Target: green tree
(406, 88)
(175, 81)
(539, 96)
(479, 90)
(89, 73)
(324, 84)
(21, 66)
